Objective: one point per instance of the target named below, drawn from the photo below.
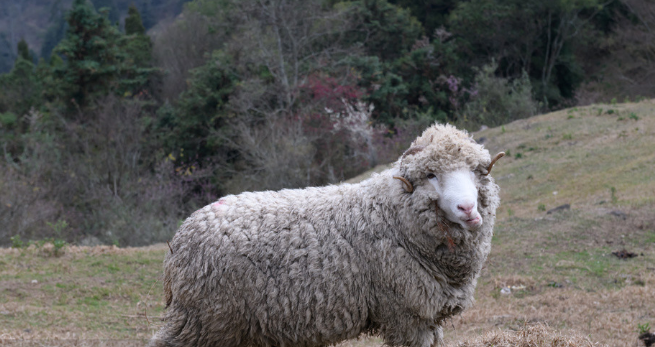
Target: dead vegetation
(538, 335)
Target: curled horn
(493, 161)
(406, 184)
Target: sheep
(394, 255)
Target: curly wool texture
(316, 266)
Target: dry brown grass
(538, 335)
(607, 316)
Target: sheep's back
(281, 258)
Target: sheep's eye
(431, 176)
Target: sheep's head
(450, 168)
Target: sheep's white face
(458, 197)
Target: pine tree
(23, 50)
(133, 23)
(94, 58)
(138, 47)
(20, 88)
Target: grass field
(559, 267)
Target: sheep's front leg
(408, 330)
(438, 337)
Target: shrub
(497, 101)
(310, 148)
(109, 184)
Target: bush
(306, 149)
(110, 183)
(497, 100)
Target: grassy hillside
(559, 266)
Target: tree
(138, 45)
(23, 50)
(433, 14)
(133, 23)
(93, 56)
(138, 69)
(534, 36)
(20, 86)
(265, 86)
(200, 110)
(99, 59)
(386, 31)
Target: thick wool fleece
(315, 266)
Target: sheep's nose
(466, 208)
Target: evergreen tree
(94, 58)
(133, 23)
(109, 8)
(386, 31)
(23, 50)
(433, 14)
(20, 87)
(138, 47)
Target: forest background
(119, 118)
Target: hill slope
(558, 267)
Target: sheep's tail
(168, 282)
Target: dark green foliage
(20, 87)
(138, 45)
(533, 36)
(433, 14)
(385, 30)
(133, 23)
(99, 59)
(23, 50)
(496, 100)
(109, 8)
(415, 82)
(93, 56)
(201, 111)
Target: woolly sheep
(393, 255)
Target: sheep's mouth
(475, 221)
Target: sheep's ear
(493, 161)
